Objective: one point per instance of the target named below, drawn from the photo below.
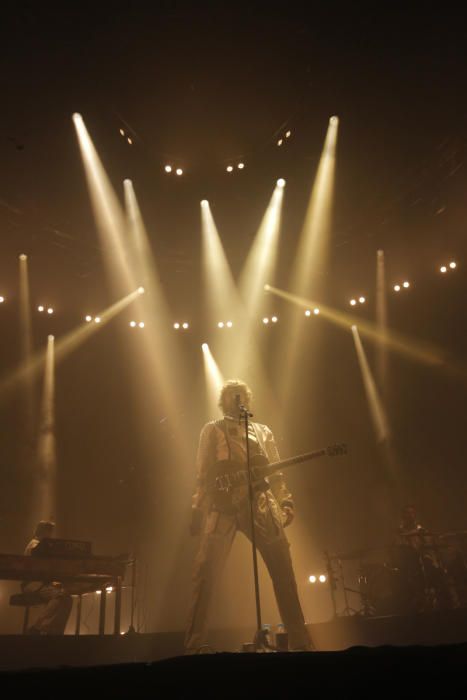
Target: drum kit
(424, 571)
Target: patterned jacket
(225, 440)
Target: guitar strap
(221, 423)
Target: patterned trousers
(216, 541)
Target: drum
(453, 555)
(384, 590)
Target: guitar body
(229, 491)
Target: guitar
(228, 476)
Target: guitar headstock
(339, 448)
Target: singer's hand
(287, 515)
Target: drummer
(425, 570)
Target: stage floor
(18, 652)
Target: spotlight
(179, 171)
(97, 319)
(240, 166)
(406, 285)
(88, 319)
(129, 141)
(168, 168)
(361, 300)
(312, 579)
(23, 257)
(204, 202)
(220, 324)
(122, 133)
(274, 319)
(353, 302)
(265, 321)
(322, 578)
(452, 265)
(109, 589)
(287, 134)
(176, 326)
(185, 325)
(140, 290)
(334, 120)
(50, 337)
(205, 347)
(229, 168)
(308, 312)
(50, 310)
(316, 312)
(280, 142)
(443, 268)
(141, 324)
(2, 299)
(229, 324)
(40, 308)
(132, 324)
(280, 182)
(397, 288)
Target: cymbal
(361, 553)
(416, 533)
(454, 533)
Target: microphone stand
(131, 629)
(260, 641)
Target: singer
(273, 511)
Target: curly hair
(232, 386)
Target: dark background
(202, 85)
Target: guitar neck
(275, 466)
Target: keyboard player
(58, 602)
